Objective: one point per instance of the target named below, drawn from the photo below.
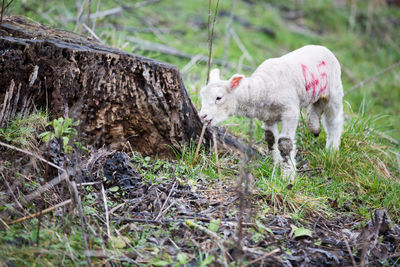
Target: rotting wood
(118, 97)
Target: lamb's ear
(214, 75)
(234, 82)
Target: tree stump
(117, 96)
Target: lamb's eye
(218, 98)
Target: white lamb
(275, 92)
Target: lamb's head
(218, 98)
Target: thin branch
(216, 156)
(2, 11)
(156, 47)
(217, 239)
(266, 254)
(89, 11)
(103, 193)
(42, 212)
(78, 202)
(228, 31)
(241, 46)
(199, 143)
(165, 202)
(47, 186)
(349, 250)
(31, 154)
(78, 17)
(210, 38)
(95, 18)
(92, 33)
(372, 78)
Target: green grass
(21, 131)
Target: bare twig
(31, 154)
(216, 238)
(241, 46)
(372, 78)
(385, 136)
(77, 200)
(228, 31)
(2, 11)
(244, 193)
(47, 186)
(4, 223)
(78, 17)
(266, 254)
(152, 46)
(95, 18)
(92, 33)
(165, 202)
(196, 154)
(11, 191)
(89, 11)
(103, 193)
(42, 212)
(216, 156)
(210, 36)
(349, 250)
(4, 113)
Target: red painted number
(315, 82)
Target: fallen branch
(47, 186)
(214, 236)
(31, 154)
(103, 193)
(164, 49)
(372, 78)
(42, 212)
(266, 254)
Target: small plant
(21, 130)
(63, 130)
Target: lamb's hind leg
(314, 116)
(332, 120)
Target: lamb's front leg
(286, 144)
(271, 134)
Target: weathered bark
(117, 96)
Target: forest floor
(135, 210)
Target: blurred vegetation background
(364, 35)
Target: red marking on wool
(310, 84)
(323, 76)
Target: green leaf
(214, 225)
(113, 189)
(117, 242)
(301, 231)
(262, 228)
(65, 140)
(160, 263)
(182, 258)
(207, 261)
